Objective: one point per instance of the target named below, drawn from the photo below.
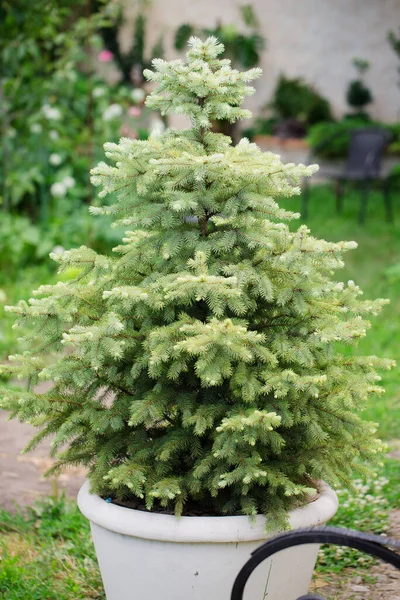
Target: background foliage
(55, 110)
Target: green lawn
(47, 554)
(378, 249)
(367, 508)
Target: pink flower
(105, 56)
(128, 132)
(134, 111)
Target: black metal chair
(363, 165)
(373, 545)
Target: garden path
(21, 475)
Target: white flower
(98, 92)
(156, 127)
(11, 132)
(55, 159)
(54, 135)
(112, 112)
(36, 128)
(58, 250)
(58, 189)
(51, 112)
(68, 181)
(138, 95)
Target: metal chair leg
(339, 186)
(364, 198)
(388, 201)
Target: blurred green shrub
(260, 126)
(19, 240)
(295, 106)
(23, 243)
(55, 110)
(295, 99)
(337, 136)
(133, 61)
(358, 94)
(244, 49)
(394, 42)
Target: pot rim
(229, 529)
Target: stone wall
(316, 39)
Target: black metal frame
(365, 180)
(373, 545)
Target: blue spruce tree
(200, 365)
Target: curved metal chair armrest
(374, 545)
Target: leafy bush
(23, 243)
(46, 554)
(337, 136)
(358, 95)
(295, 99)
(295, 107)
(131, 62)
(261, 126)
(20, 241)
(244, 49)
(55, 111)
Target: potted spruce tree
(197, 372)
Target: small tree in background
(358, 95)
(296, 106)
(394, 42)
(243, 49)
(202, 365)
(131, 63)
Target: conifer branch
(207, 368)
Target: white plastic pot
(152, 556)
